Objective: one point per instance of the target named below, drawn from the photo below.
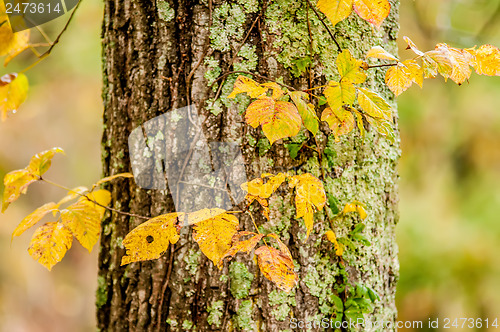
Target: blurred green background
(449, 232)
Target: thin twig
(91, 200)
(325, 25)
(384, 65)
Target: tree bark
(164, 55)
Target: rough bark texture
(165, 55)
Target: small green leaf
(293, 149)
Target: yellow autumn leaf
(214, 236)
(360, 123)
(13, 92)
(17, 182)
(442, 61)
(73, 194)
(34, 217)
(339, 248)
(276, 89)
(398, 79)
(242, 246)
(11, 43)
(415, 71)
(460, 62)
(335, 10)
(112, 177)
(309, 192)
(486, 60)
(262, 201)
(247, 85)
(378, 52)
(277, 265)
(279, 119)
(373, 11)
(50, 243)
(350, 68)
(355, 207)
(203, 214)
(339, 94)
(373, 104)
(150, 239)
(84, 217)
(339, 127)
(383, 127)
(257, 187)
(306, 110)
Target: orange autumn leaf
(150, 239)
(242, 246)
(309, 193)
(373, 11)
(17, 182)
(214, 236)
(335, 10)
(277, 265)
(50, 243)
(279, 119)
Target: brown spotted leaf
(50, 243)
(151, 239)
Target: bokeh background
(449, 231)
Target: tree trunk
(166, 55)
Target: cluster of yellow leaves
(447, 61)
(309, 193)
(280, 118)
(216, 232)
(13, 86)
(81, 219)
(373, 11)
(341, 97)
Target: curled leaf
(378, 52)
(355, 207)
(50, 243)
(339, 249)
(150, 239)
(242, 246)
(112, 177)
(13, 92)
